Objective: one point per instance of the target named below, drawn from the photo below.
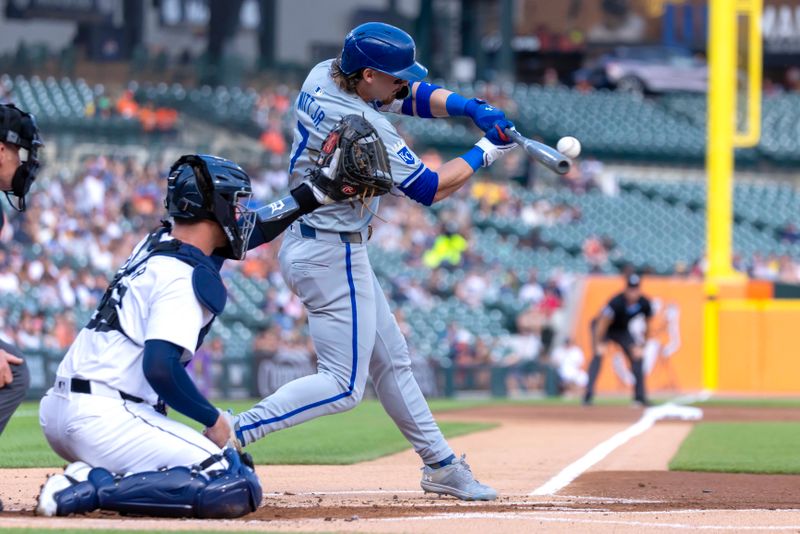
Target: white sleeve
(175, 315)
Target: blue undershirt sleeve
(168, 378)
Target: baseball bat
(546, 155)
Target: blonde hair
(346, 82)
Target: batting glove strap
(491, 151)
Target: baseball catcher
(105, 412)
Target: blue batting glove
(482, 114)
(497, 135)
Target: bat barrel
(546, 155)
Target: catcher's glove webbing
(353, 162)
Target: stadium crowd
(82, 222)
(81, 225)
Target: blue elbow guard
(423, 99)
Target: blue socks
(447, 461)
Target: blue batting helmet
(381, 47)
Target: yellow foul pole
(719, 168)
(721, 125)
(721, 139)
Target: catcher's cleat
(46, 504)
(78, 471)
(457, 480)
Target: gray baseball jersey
(319, 106)
(354, 332)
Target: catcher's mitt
(352, 163)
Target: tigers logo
(276, 206)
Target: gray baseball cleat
(46, 504)
(457, 480)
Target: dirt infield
(628, 490)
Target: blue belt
(346, 237)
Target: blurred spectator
(519, 359)
(272, 138)
(127, 107)
(594, 253)
(789, 233)
(793, 79)
(205, 367)
(568, 359)
(550, 77)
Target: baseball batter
(324, 257)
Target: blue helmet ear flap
(190, 197)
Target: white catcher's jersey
(319, 107)
(157, 301)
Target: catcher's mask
(19, 128)
(354, 152)
(208, 187)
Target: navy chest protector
(206, 282)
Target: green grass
(757, 447)
(764, 402)
(364, 433)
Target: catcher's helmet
(208, 187)
(381, 47)
(20, 129)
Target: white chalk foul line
(671, 409)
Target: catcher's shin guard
(175, 492)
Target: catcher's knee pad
(232, 493)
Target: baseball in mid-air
(569, 146)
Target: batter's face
(9, 162)
(381, 86)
